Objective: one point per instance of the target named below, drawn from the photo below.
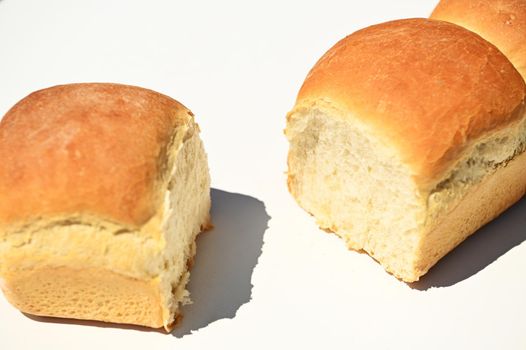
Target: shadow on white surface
(220, 280)
(479, 250)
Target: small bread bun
(104, 188)
(407, 137)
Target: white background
(238, 65)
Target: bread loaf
(406, 137)
(501, 22)
(103, 189)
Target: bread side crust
(68, 289)
(88, 293)
(483, 203)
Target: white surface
(238, 66)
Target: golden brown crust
(428, 88)
(97, 149)
(501, 22)
(88, 293)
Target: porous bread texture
(187, 207)
(358, 187)
(352, 186)
(501, 22)
(87, 268)
(103, 190)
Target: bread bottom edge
(92, 294)
(482, 203)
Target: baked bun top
(89, 149)
(426, 87)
